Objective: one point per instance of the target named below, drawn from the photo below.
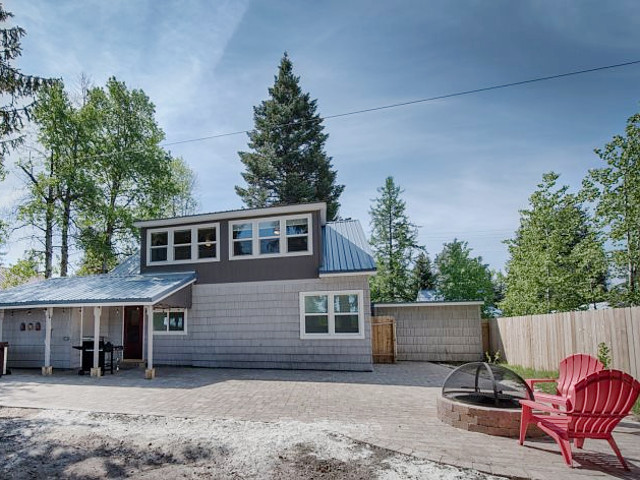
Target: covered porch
(44, 321)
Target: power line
(387, 107)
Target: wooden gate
(383, 339)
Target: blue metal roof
(96, 289)
(129, 266)
(345, 248)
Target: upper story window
(197, 243)
(270, 237)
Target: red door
(133, 323)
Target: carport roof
(95, 290)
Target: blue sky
(467, 164)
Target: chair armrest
(532, 381)
(540, 406)
(549, 398)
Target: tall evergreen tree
(16, 88)
(616, 191)
(462, 277)
(557, 260)
(394, 240)
(287, 162)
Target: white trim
(148, 312)
(48, 317)
(170, 332)
(194, 244)
(331, 316)
(255, 237)
(238, 214)
(427, 304)
(348, 274)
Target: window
(168, 322)
(183, 244)
(331, 315)
(270, 237)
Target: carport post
(150, 372)
(95, 371)
(47, 369)
(1, 321)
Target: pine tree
(394, 242)
(15, 87)
(287, 163)
(423, 275)
(557, 260)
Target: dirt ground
(83, 445)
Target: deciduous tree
(287, 162)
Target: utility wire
(385, 107)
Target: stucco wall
(449, 333)
(257, 325)
(26, 348)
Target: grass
(525, 372)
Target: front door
(132, 341)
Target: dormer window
(270, 237)
(193, 244)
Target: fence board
(541, 341)
(383, 339)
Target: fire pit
(483, 397)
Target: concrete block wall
(446, 333)
(257, 325)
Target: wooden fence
(383, 339)
(542, 341)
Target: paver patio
(396, 404)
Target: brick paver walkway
(396, 405)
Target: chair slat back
(599, 401)
(574, 368)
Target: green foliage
(287, 163)
(526, 372)
(615, 189)
(604, 354)
(424, 278)
(15, 87)
(21, 272)
(394, 243)
(462, 277)
(557, 259)
(494, 357)
(181, 200)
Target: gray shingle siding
(257, 325)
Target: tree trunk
(64, 249)
(48, 231)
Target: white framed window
(271, 237)
(337, 314)
(171, 321)
(191, 244)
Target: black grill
(486, 384)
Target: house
(276, 287)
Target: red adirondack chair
(594, 406)
(572, 369)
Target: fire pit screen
(480, 383)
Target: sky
(467, 164)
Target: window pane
(182, 253)
(345, 303)
(242, 230)
(316, 324)
(159, 321)
(316, 304)
(176, 321)
(244, 247)
(159, 239)
(205, 251)
(347, 324)
(297, 244)
(270, 246)
(269, 229)
(159, 254)
(298, 226)
(206, 235)
(180, 237)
